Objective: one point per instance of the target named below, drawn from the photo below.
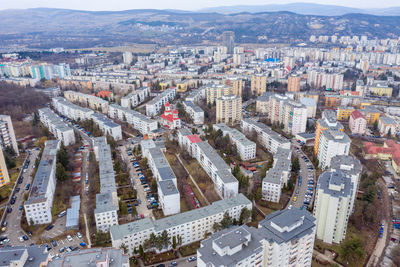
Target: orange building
(332, 101)
(294, 83)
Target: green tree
(10, 163)
(123, 246)
(258, 193)
(165, 239)
(295, 165)
(62, 156)
(352, 251)
(141, 251)
(244, 215)
(123, 208)
(226, 221)
(174, 242)
(61, 173)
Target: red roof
(390, 147)
(169, 117)
(357, 114)
(194, 138)
(167, 104)
(175, 111)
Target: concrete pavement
(13, 219)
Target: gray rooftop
(104, 203)
(36, 256)
(335, 184)
(387, 120)
(104, 120)
(168, 187)
(234, 134)
(286, 225)
(347, 164)
(43, 173)
(273, 135)
(161, 96)
(90, 258)
(54, 119)
(65, 102)
(119, 231)
(336, 136)
(73, 213)
(133, 113)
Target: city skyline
(177, 4)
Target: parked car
(173, 263)
(48, 228)
(54, 243)
(27, 186)
(69, 238)
(79, 235)
(83, 244)
(192, 258)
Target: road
(182, 262)
(13, 219)
(142, 207)
(306, 174)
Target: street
(142, 207)
(306, 174)
(13, 219)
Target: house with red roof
(170, 117)
(389, 151)
(357, 122)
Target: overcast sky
(177, 4)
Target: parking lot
(64, 245)
(305, 187)
(141, 207)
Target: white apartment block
(333, 81)
(191, 226)
(76, 113)
(283, 238)
(268, 138)
(220, 173)
(292, 114)
(332, 143)
(107, 126)
(277, 176)
(135, 98)
(7, 135)
(72, 111)
(195, 112)
(245, 147)
(262, 103)
(40, 201)
(229, 109)
(140, 122)
(167, 186)
(197, 95)
(107, 205)
(57, 126)
(93, 102)
(333, 205)
(154, 106)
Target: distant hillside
(43, 28)
(304, 9)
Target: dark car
(17, 189)
(161, 265)
(48, 228)
(20, 180)
(9, 210)
(12, 202)
(54, 243)
(25, 237)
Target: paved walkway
(193, 181)
(87, 232)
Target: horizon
(124, 5)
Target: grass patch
(153, 258)
(189, 249)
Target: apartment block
(371, 114)
(135, 98)
(214, 91)
(107, 126)
(294, 83)
(262, 103)
(245, 147)
(154, 106)
(235, 83)
(57, 126)
(229, 109)
(39, 204)
(72, 111)
(93, 102)
(277, 176)
(268, 138)
(333, 205)
(357, 123)
(4, 177)
(380, 88)
(283, 238)
(351, 167)
(167, 186)
(328, 121)
(104, 257)
(259, 84)
(7, 135)
(197, 95)
(225, 183)
(140, 122)
(190, 226)
(25, 256)
(387, 126)
(195, 112)
(332, 143)
(107, 205)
